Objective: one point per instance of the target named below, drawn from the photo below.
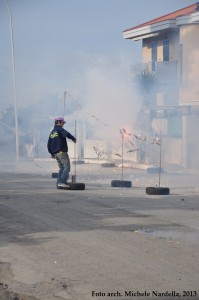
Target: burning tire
(157, 190)
(54, 175)
(121, 183)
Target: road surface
(100, 243)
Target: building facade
(170, 50)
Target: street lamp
(14, 83)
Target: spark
(126, 135)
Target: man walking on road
(58, 148)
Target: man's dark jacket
(57, 140)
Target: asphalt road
(100, 243)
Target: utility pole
(14, 83)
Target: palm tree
(145, 82)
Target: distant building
(170, 49)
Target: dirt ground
(100, 243)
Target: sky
(75, 45)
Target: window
(153, 54)
(166, 50)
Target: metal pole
(75, 148)
(122, 155)
(14, 83)
(64, 103)
(74, 176)
(160, 164)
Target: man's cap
(60, 119)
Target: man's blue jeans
(63, 162)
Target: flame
(126, 135)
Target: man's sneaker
(63, 186)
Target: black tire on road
(108, 165)
(76, 186)
(54, 175)
(121, 183)
(157, 190)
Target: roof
(178, 13)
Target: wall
(192, 141)
(172, 151)
(146, 51)
(189, 90)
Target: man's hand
(75, 140)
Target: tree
(146, 82)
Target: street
(99, 243)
